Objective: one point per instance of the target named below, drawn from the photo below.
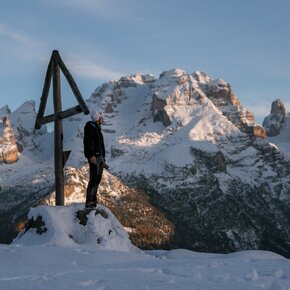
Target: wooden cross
(60, 157)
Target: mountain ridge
(186, 141)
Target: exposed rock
(109, 108)
(8, 147)
(161, 116)
(174, 73)
(221, 94)
(256, 131)
(274, 121)
(9, 154)
(135, 80)
(158, 104)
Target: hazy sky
(244, 42)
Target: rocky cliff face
(8, 147)
(221, 94)
(278, 127)
(275, 120)
(181, 149)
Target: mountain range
(190, 167)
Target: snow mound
(70, 226)
(253, 255)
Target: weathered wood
(58, 137)
(62, 115)
(44, 95)
(71, 82)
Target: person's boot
(91, 200)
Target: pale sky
(244, 42)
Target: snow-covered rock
(282, 138)
(275, 120)
(221, 94)
(70, 226)
(5, 111)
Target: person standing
(94, 151)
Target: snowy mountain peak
(173, 73)
(135, 79)
(5, 111)
(201, 76)
(182, 139)
(27, 107)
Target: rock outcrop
(221, 94)
(274, 121)
(8, 147)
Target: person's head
(97, 117)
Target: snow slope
(51, 261)
(46, 268)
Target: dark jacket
(93, 140)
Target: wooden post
(44, 96)
(58, 137)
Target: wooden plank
(71, 82)
(62, 115)
(44, 95)
(58, 137)
(70, 112)
(46, 119)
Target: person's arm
(88, 142)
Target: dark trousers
(96, 172)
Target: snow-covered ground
(61, 259)
(46, 267)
